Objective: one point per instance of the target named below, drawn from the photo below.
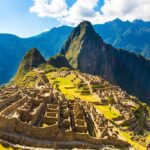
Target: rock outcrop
(86, 51)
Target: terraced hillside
(62, 108)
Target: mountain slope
(59, 61)
(86, 51)
(11, 52)
(31, 60)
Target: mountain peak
(117, 20)
(32, 51)
(86, 27)
(34, 58)
(86, 24)
(31, 60)
(83, 40)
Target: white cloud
(85, 10)
(49, 8)
(45, 30)
(82, 10)
(126, 9)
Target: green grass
(44, 125)
(47, 68)
(30, 79)
(2, 147)
(127, 136)
(108, 113)
(67, 87)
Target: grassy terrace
(68, 88)
(108, 112)
(2, 147)
(30, 79)
(128, 136)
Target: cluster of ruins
(116, 98)
(43, 117)
(43, 113)
(121, 101)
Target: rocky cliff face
(87, 52)
(31, 60)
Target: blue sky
(16, 18)
(30, 17)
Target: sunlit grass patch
(128, 137)
(44, 125)
(3, 147)
(68, 86)
(108, 112)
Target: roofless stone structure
(43, 117)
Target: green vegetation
(67, 85)
(47, 68)
(30, 79)
(148, 138)
(75, 48)
(44, 125)
(5, 147)
(109, 113)
(32, 59)
(128, 136)
(59, 61)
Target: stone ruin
(121, 101)
(43, 117)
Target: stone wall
(14, 106)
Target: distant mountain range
(133, 36)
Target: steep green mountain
(59, 61)
(133, 36)
(87, 52)
(31, 60)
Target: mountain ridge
(131, 36)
